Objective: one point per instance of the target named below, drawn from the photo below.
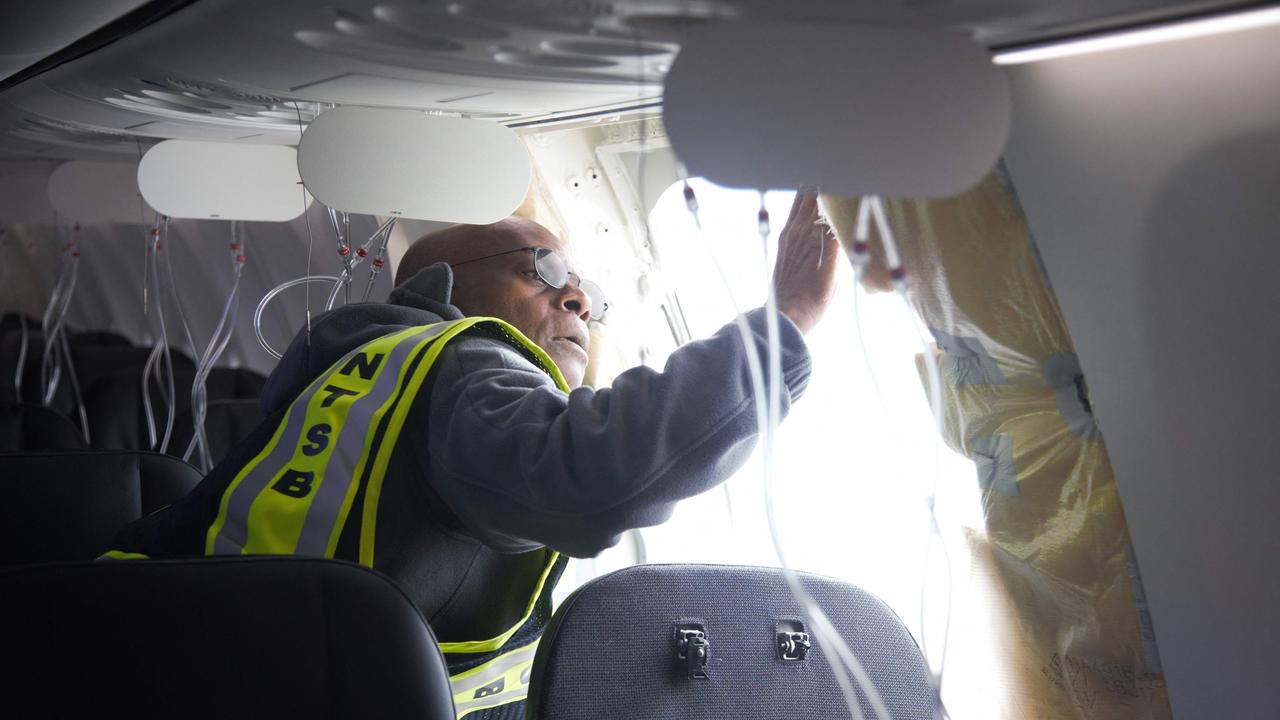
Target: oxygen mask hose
(271, 294)
(843, 663)
(817, 618)
(53, 320)
(379, 259)
(871, 208)
(213, 351)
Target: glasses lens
(551, 267)
(598, 304)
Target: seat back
(25, 426)
(68, 505)
(613, 649)
(255, 637)
(226, 423)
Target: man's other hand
(804, 278)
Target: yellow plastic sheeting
(1078, 640)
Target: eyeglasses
(551, 269)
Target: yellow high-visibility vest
(334, 442)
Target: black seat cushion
(99, 338)
(226, 423)
(234, 383)
(25, 426)
(68, 505)
(117, 416)
(216, 638)
(610, 650)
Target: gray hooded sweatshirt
(495, 463)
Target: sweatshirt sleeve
(523, 464)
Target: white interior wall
(1151, 178)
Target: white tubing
(217, 344)
(842, 661)
(874, 206)
(199, 391)
(22, 356)
(816, 617)
(349, 265)
(51, 324)
(266, 299)
(75, 388)
(171, 396)
(65, 293)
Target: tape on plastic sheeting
(1062, 372)
(857, 110)
(966, 362)
(993, 457)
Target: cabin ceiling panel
(229, 69)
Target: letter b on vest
(295, 483)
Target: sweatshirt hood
(422, 300)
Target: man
(460, 456)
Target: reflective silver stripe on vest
(339, 472)
(500, 681)
(234, 533)
(231, 539)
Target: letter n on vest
(364, 364)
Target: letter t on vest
(333, 393)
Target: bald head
(460, 243)
(506, 285)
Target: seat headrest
(235, 384)
(226, 423)
(219, 638)
(611, 649)
(68, 505)
(25, 426)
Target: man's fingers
(804, 197)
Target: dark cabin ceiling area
(251, 71)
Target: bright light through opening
(856, 456)
(1181, 30)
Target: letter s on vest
(318, 437)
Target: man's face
(507, 287)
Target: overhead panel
(223, 181)
(918, 113)
(408, 164)
(98, 192)
(24, 196)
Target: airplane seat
(117, 416)
(27, 426)
(69, 504)
(10, 351)
(234, 383)
(718, 641)
(99, 338)
(113, 398)
(226, 423)
(96, 356)
(217, 638)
